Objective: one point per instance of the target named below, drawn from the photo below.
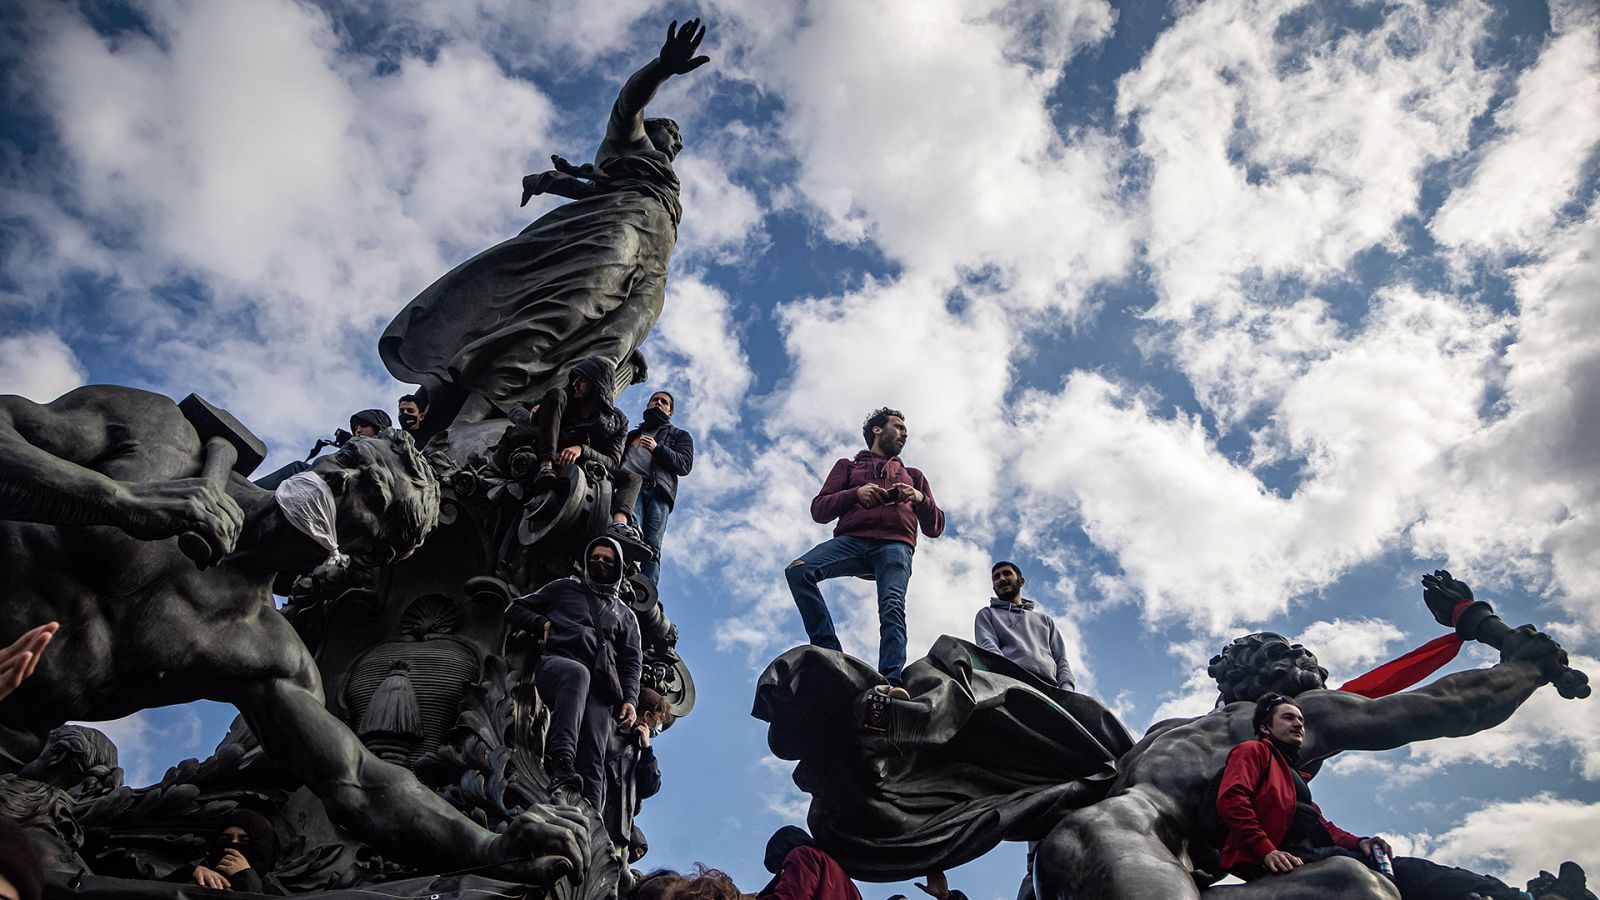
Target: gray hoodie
(1025, 636)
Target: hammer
(1477, 622)
(227, 446)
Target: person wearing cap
(802, 871)
(1014, 628)
(584, 622)
(368, 422)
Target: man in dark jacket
(576, 424)
(659, 454)
(1274, 827)
(581, 616)
(879, 503)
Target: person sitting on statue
(879, 502)
(632, 773)
(801, 871)
(588, 674)
(1144, 840)
(1274, 826)
(659, 453)
(91, 487)
(366, 423)
(1012, 627)
(241, 858)
(576, 424)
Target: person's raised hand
(936, 886)
(647, 442)
(677, 54)
(643, 731)
(627, 716)
(1281, 861)
(569, 455)
(19, 660)
(152, 510)
(208, 878)
(232, 862)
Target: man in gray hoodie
(1013, 628)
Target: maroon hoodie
(887, 522)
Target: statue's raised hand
(152, 510)
(677, 54)
(1442, 593)
(545, 843)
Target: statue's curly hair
(1242, 666)
(407, 515)
(96, 756)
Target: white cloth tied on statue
(307, 502)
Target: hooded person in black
(575, 424)
(589, 672)
(242, 856)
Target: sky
(1215, 317)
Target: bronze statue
(93, 480)
(585, 279)
(1141, 840)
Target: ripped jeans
(888, 562)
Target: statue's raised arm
(627, 132)
(586, 279)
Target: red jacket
(1256, 799)
(888, 522)
(810, 874)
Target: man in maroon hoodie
(879, 503)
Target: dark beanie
(19, 863)
(377, 418)
(782, 842)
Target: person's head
(368, 422)
(21, 876)
(413, 409)
(1279, 717)
(661, 401)
(656, 885)
(602, 564)
(1007, 580)
(79, 760)
(782, 843)
(664, 136)
(704, 884)
(1257, 663)
(252, 836)
(592, 380)
(385, 494)
(885, 431)
(654, 709)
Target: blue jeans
(653, 510)
(889, 562)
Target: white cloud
(1284, 149)
(38, 365)
(151, 741)
(1547, 134)
(783, 799)
(1348, 647)
(1517, 839)
(701, 358)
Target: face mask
(655, 729)
(654, 418)
(408, 421)
(602, 572)
(307, 502)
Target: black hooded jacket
(565, 604)
(602, 436)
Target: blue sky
(1216, 317)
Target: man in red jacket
(1274, 827)
(879, 503)
(801, 871)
